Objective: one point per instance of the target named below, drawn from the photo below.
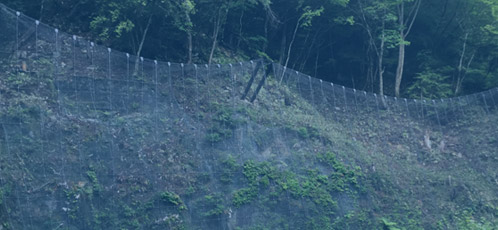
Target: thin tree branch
(417, 7)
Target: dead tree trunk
(189, 36)
(141, 45)
(462, 71)
(217, 27)
(292, 42)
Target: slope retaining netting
(92, 138)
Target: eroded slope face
(97, 139)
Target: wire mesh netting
(93, 138)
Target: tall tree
(303, 21)
(378, 21)
(130, 17)
(405, 23)
(477, 26)
(183, 21)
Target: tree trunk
(308, 52)
(283, 42)
(189, 36)
(190, 48)
(463, 72)
(403, 34)
(316, 62)
(240, 31)
(381, 74)
(401, 48)
(292, 42)
(215, 40)
(381, 57)
(217, 28)
(299, 62)
(144, 35)
(460, 65)
(379, 50)
(266, 34)
(42, 5)
(399, 70)
(369, 83)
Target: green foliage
(492, 7)
(303, 132)
(349, 20)
(21, 111)
(341, 176)
(465, 220)
(216, 206)
(308, 15)
(214, 136)
(189, 24)
(222, 125)
(113, 21)
(92, 176)
(313, 185)
(229, 168)
(297, 173)
(244, 196)
(430, 85)
(20, 80)
(306, 132)
(182, 19)
(388, 225)
(96, 187)
(173, 198)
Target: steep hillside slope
(96, 139)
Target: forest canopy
(408, 48)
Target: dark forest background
(408, 48)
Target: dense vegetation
(410, 48)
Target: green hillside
(94, 139)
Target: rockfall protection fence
(79, 119)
